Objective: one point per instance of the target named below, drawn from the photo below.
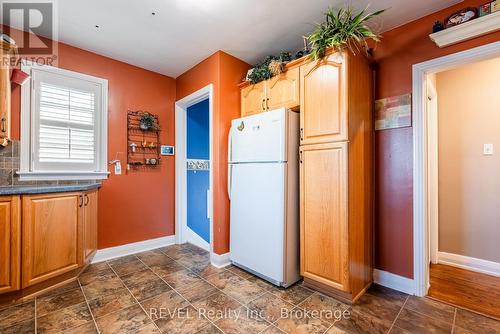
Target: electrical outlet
(488, 149)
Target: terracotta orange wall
(399, 50)
(224, 72)
(140, 205)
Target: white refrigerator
(263, 188)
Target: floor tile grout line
(136, 300)
(454, 319)
(220, 290)
(397, 316)
(173, 289)
(36, 317)
(427, 315)
(88, 306)
(246, 279)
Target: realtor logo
(32, 26)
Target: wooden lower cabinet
(323, 200)
(51, 236)
(89, 233)
(335, 219)
(10, 244)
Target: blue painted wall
(198, 182)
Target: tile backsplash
(9, 165)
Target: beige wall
(469, 182)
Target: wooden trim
(345, 297)
(470, 263)
(394, 281)
(14, 258)
(132, 248)
(40, 288)
(302, 61)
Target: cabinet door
(51, 230)
(323, 114)
(10, 244)
(89, 226)
(283, 90)
(253, 99)
(323, 214)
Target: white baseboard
(195, 239)
(133, 248)
(394, 281)
(470, 263)
(220, 261)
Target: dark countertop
(41, 189)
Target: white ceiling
(184, 32)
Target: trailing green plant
(262, 71)
(342, 29)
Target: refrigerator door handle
(229, 167)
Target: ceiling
(181, 33)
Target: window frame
(27, 170)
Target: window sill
(61, 176)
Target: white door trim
(433, 165)
(421, 182)
(180, 162)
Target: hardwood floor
(474, 291)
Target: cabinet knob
(81, 201)
(301, 133)
(86, 199)
(4, 127)
(263, 104)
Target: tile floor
(176, 290)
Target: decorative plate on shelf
(460, 17)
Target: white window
(63, 125)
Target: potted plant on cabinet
(343, 29)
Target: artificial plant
(342, 29)
(262, 71)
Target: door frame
(422, 184)
(182, 232)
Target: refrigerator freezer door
(259, 138)
(257, 218)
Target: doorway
(455, 256)
(194, 173)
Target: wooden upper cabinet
(89, 226)
(10, 244)
(50, 236)
(253, 99)
(284, 90)
(6, 51)
(323, 214)
(323, 112)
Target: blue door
(198, 172)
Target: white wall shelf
(475, 28)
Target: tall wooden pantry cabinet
(336, 175)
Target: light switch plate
(167, 150)
(488, 149)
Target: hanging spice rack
(143, 145)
